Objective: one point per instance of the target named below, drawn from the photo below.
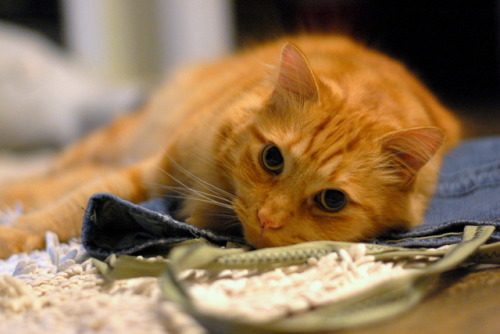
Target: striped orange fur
(308, 138)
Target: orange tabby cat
(341, 143)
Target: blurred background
(111, 53)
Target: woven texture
(59, 290)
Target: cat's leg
(37, 192)
(64, 217)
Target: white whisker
(232, 224)
(186, 186)
(204, 183)
(222, 215)
(210, 201)
(207, 195)
(199, 196)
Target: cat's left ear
(295, 77)
(412, 149)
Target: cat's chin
(258, 239)
(260, 242)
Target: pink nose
(267, 223)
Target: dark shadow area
(454, 47)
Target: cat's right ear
(295, 78)
(412, 149)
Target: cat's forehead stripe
(327, 160)
(338, 146)
(317, 131)
(256, 132)
(331, 152)
(322, 126)
(297, 146)
(328, 168)
(328, 148)
(304, 143)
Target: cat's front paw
(14, 240)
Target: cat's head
(309, 166)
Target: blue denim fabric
(112, 225)
(468, 193)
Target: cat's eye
(331, 200)
(271, 159)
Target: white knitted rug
(58, 290)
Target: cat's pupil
(271, 159)
(331, 200)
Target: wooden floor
(464, 301)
